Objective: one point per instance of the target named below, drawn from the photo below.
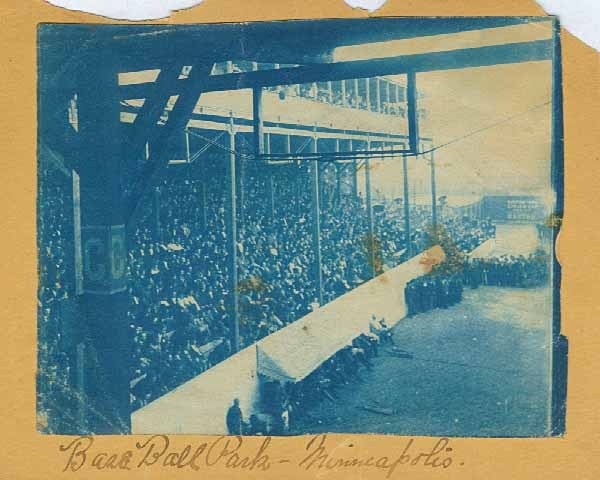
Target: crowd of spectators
(179, 263)
(351, 94)
(345, 97)
(509, 271)
(179, 294)
(55, 298)
(433, 291)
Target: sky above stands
(512, 157)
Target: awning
(292, 353)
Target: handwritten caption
(158, 451)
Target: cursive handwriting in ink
(157, 451)
(318, 457)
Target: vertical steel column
(356, 96)
(259, 142)
(330, 91)
(299, 174)
(377, 95)
(354, 174)
(413, 123)
(371, 234)
(316, 219)
(368, 93)
(257, 120)
(433, 196)
(271, 179)
(413, 141)
(344, 100)
(406, 207)
(232, 241)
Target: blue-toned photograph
(300, 227)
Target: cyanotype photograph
(301, 227)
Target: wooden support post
(433, 196)
(413, 122)
(257, 122)
(371, 235)
(316, 220)
(338, 175)
(257, 126)
(406, 208)
(354, 173)
(271, 179)
(104, 299)
(232, 242)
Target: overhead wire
(356, 155)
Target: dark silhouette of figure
(234, 418)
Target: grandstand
(203, 198)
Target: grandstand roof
(304, 41)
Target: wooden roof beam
(424, 62)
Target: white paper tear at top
(134, 10)
(578, 17)
(370, 5)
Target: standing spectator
(235, 419)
